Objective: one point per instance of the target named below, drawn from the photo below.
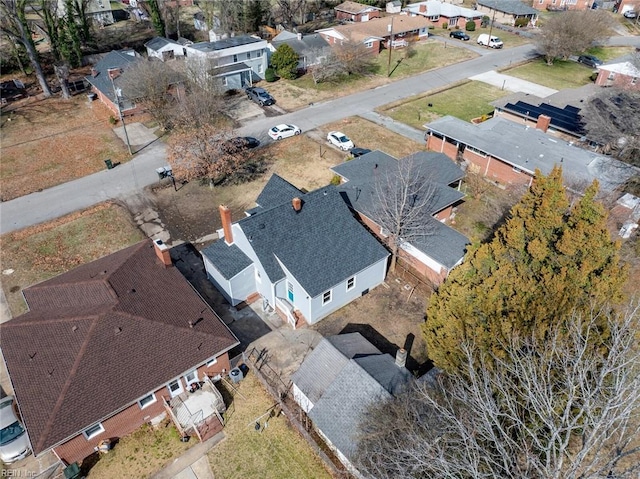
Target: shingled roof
(101, 336)
(114, 59)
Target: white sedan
(340, 140)
(284, 131)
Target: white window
(248, 55)
(93, 431)
(326, 297)
(235, 58)
(351, 283)
(476, 151)
(258, 53)
(191, 377)
(368, 44)
(611, 76)
(147, 400)
(175, 388)
(212, 362)
(634, 80)
(224, 81)
(260, 69)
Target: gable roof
(440, 242)
(341, 377)
(311, 45)
(276, 192)
(230, 260)
(225, 43)
(321, 245)
(379, 27)
(623, 68)
(354, 8)
(101, 80)
(444, 9)
(99, 337)
(157, 43)
(513, 7)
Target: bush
(485, 21)
(270, 75)
(470, 26)
(521, 22)
(336, 180)
(445, 25)
(113, 120)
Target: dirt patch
(50, 141)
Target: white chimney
(401, 357)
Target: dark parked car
(356, 152)
(259, 95)
(459, 34)
(240, 143)
(590, 60)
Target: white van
(493, 42)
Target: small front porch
(198, 411)
(290, 314)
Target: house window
(191, 377)
(368, 44)
(93, 431)
(476, 151)
(224, 81)
(212, 362)
(634, 80)
(611, 76)
(258, 53)
(260, 69)
(175, 388)
(351, 283)
(326, 297)
(235, 58)
(147, 400)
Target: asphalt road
(140, 172)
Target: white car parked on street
(340, 140)
(284, 131)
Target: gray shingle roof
(113, 59)
(224, 43)
(157, 43)
(513, 7)
(311, 46)
(228, 259)
(321, 245)
(442, 243)
(319, 369)
(276, 192)
(382, 368)
(529, 149)
(337, 414)
(353, 345)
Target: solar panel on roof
(566, 118)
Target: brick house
(303, 254)
(507, 12)
(621, 74)
(440, 13)
(355, 12)
(105, 80)
(377, 33)
(555, 5)
(436, 252)
(508, 153)
(106, 345)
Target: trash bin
(109, 164)
(72, 471)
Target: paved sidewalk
(514, 84)
(395, 126)
(193, 464)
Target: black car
(459, 34)
(590, 60)
(240, 143)
(260, 96)
(356, 152)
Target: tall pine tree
(546, 262)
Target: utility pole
(390, 30)
(493, 19)
(116, 96)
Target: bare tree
(612, 118)
(13, 24)
(287, 10)
(153, 84)
(572, 32)
(403, 201)
(554, 408)
(356, 58)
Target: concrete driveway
(513, 84)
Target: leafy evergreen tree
(285, 62)
(156, 17)
(73, 34)
(548, 261)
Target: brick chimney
(94, 72)
(423, 8)
(297, 204)
(113, 73)
(543, 122)
(401, 357)
(162, 252)
(225, 215)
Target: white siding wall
(301, 399)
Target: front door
(175, 388)
(191, 377)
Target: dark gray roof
(513, 7)
(442, 243)
(529, 149)
(382, 368)
(339, 411)
(276, 192)
(311, 46)
(353, 345)
(236, 67)
(321, 245)
(228, 259)
(113, 59)
(157, 43)
(224, 43)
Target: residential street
(135, 175)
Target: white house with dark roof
(440, 13)
(239, 61)
(441, 248)
(338, 381)
(311, 48)
(164, 49)
(304, 254)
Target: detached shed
(164, 49)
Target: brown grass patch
(51, 141)
(46, 250)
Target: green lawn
(466, 101)
(607, 54)
(560, 75)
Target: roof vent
(31, 356)
(74, 328)
(118, 330)
(132, 290)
